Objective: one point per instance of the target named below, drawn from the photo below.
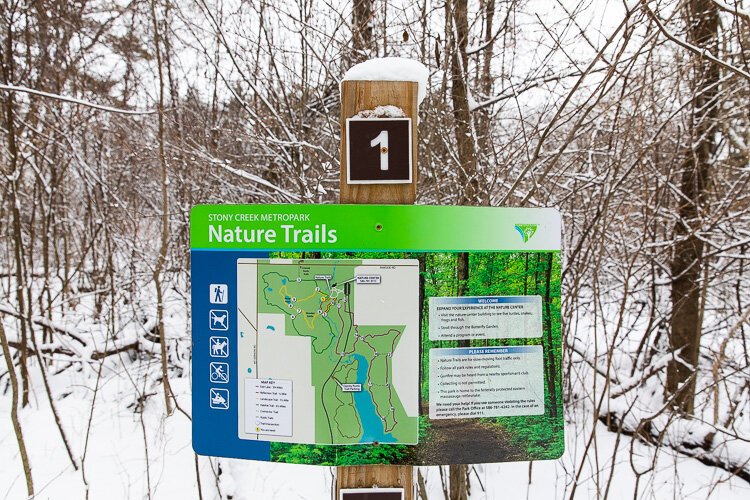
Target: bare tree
(457, 14)
(14, 412)
(702, 19)
(161, 259)
(362, 30)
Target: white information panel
(454, 318)
(476, 382)
(270, 406)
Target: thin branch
(692, 48)
(73, 100)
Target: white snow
(392, 69)
(387, 111)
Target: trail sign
(379, 151)
(317, 352)
(371, 494)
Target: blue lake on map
(371, 423)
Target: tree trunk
(14, 174)
(485, 78)
(548, 327)
(458, 473)
(422, 271)
(14, 411)
(467, 169)
(458, 482)
(703, 22)
(362, 15)
(462, 271)
(164, 220)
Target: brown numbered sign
(372, 494)
(378, 150)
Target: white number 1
(382, 141)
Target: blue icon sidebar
(215, 380)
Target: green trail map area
(352, 365)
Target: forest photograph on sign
(406, 350)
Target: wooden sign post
(378, 153)
(378, 165)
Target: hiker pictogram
(218, 294)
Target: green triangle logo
(526, 231)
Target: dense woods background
(631, 118)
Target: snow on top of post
(387, 111)
(393, 69)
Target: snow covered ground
(117, 465)
(132, 449)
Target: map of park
(357, 389)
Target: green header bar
(373, 228)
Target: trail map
(328, 350)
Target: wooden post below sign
(378, 154)
(394, 482)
